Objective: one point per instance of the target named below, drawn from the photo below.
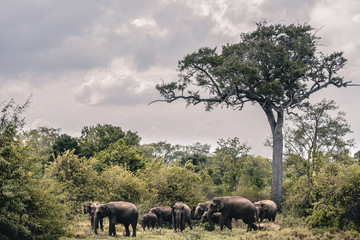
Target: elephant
(163, 214)
(147, 220)
(215, 217)
(181, 213)
(125, 213)
(89, 209)
(200, 209)
(265, 209)
(233, 207)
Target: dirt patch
(270, 226)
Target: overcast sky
(87, 62)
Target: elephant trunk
(197, 214)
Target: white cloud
(144, 22)
(119, 84)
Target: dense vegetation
(46, 176)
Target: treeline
(46, 176)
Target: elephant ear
(265, 208)
(213, 207)
(107, 210)
(221, 206)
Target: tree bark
(277, 163)
(277, 156)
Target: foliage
(171, 184)
(40, 142)
(230, 158)
(26, 210)
(94, 139)
(119, 184)
(317, 133)
(337, 193)
(64, 143)
(316, 140)
(73, 178)
(120, 154)
(256, 172)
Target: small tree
(276, 66)
(230, 156)
(94, 139)
(316, 133)
(120, 154)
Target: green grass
(80, 229)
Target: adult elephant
(200, 209)
(163, 214)
(181, 213)
(125, 213)
(148, 220)
(89, 208)
(265, 209)
(233, 207)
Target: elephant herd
(220, 210)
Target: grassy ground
(80, 229)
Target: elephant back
(126, 212)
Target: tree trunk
(277, 165)
(277, 156)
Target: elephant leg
(160, 222)
(190, 224)
(228, 223)
(221, 222)
(133, 225)
(111, 228)
(92, 222)
(101, 225)
(127, 231)
(183, 218)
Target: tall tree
(276, 66)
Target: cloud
(120, 84)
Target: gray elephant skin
(148, 220)
(181, 213)
(200, 209)
(125, 213)
(266, 209)
(215, 217)
(233, 207)
(163, 214)
(89, 208)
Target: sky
(89, 62)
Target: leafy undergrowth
(80, 229)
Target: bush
(337, 194)
(171, 184)
(73, 179)
(119, 184)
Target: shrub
(119, 184)
(337, 194)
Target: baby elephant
(215, 217)
(265, 209)
(147, 220)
